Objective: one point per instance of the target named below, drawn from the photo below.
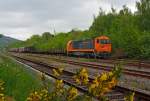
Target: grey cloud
(23, 18)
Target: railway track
(143, 74)
(116, 94)
(131, 72)
(135, 63)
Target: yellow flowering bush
(42, 76)
(104, 83)
(42, 95)
(2, 96)
(58, 88)
(81, 76)
(101, 84)
(35, 96)
(43, 79)
(58, 71)
(45, 95)
(72, 93)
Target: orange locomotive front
(99, 46)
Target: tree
(125, 11)
(47, 35)
(35, 37)
(145, 45)
(144, 14)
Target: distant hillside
(5, 41)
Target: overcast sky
(23, 18)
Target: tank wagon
(100, 47)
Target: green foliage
(47, 35)
(18, 82)
(143, 14)
(128, 31)
(145, 45)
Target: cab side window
(108, 41)
(105, 42)
(102, 41)
(97, 40)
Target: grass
(19, 82)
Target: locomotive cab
(102, 46)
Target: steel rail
(143, 74)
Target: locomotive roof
(83, 40)
(101, 37)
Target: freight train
(98, 47)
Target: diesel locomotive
(100, 47)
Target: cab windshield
(104, 42)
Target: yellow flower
(34, 97)
(58, 88)
(1, 88)
(2, 96)
(95, 81)
(81, 76)
(59, 81)
(92, 86)
(42, 76)
(35, 93)
(106, 89)
(72, 93)
(83, 70)
(113, 82)
(77, 81)
(103, 77)
(55, 72)
(110, 74)
(60, 69)
(130, 97)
